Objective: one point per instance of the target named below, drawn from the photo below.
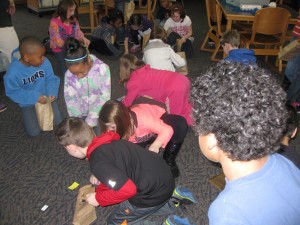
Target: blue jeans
(30, 121)
(60, 59)
(293, 66)
(292, 73)
(120, 33)
(134, 215)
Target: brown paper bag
(128, 10)
(45, 115)
(183, 70)
(84, 213)
(290, 51)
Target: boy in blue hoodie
(230, 42)
(30, 80)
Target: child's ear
(294, 133)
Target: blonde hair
(128, 63)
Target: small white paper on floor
(44, 207)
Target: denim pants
(292, 73)
(120, 33)
(60, 59)
(137, 216)
(30, 121)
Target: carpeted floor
(37, 171)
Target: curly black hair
(243, 106)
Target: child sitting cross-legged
(137, 180)
(146, 124)
(103, 36)
(160, 55)
(30, 80)
(136, 27)
(87, 83)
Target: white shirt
(180, 28)
(161, 56)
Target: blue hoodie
(243, 55)
(25, 84)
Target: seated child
(179, 27)
(160, 55)
(136, 27)
(289, 133)
(137, 180)
(231, 42)
(103, 36)
(87, 83)
(146, 124)
(240, 116)
(141, 80)
(30, 80)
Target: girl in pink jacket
(146, 124)
(141, 80)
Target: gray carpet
(37, 171)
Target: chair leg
(213, 57)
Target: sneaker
(183, 194)
(176, 220)
(3, 107)
(135, 49)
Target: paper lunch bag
(45, 115)
(84, 213)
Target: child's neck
(285, 141)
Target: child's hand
(86, 42)
(91, 199)
(183, 39)
(52, 98)
(94, 180)
(42, 99)
(155, 146)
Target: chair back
(271, 21)
(147, 9)
(211, 12)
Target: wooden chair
(93, 14)
(147, 9)
(214, 17)
(108, 4)
(268, 32)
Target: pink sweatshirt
(160, 84)
(148, 121)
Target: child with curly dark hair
(240, 116)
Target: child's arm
(176, 59)
(132, 93)
(108, 41)
(71, 95)
(55, 35)
(80, 36)
(52, 81)
(189, 34)
(126, 45)
(99, 92)
(15, 91)
(115, 185)
(105, 196)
